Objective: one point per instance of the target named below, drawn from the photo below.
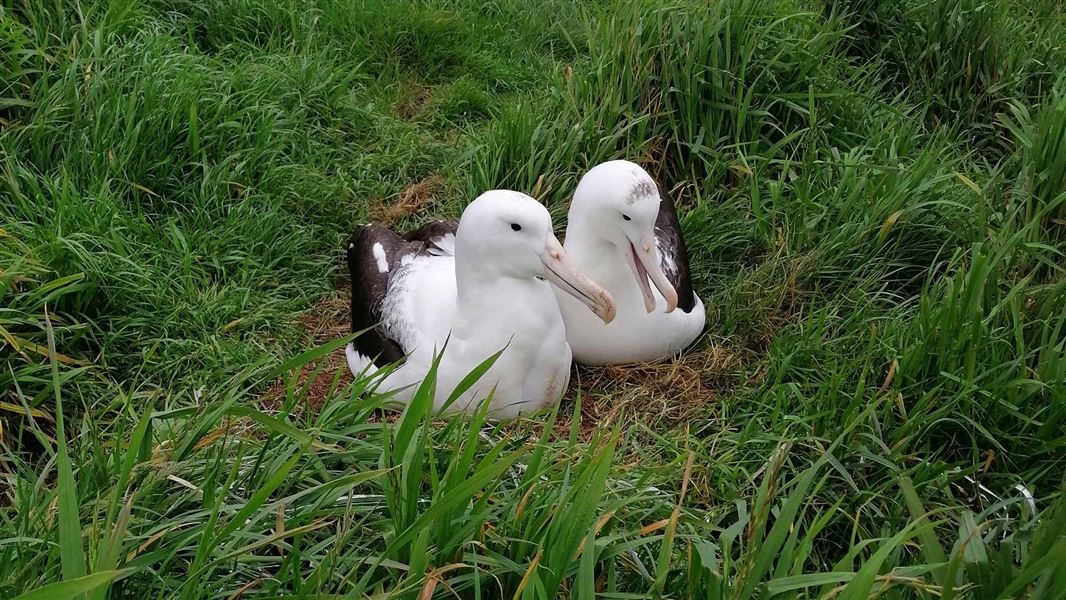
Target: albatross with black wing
(623, 231)
(482, 287)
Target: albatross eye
(516, 227)
(626, 217)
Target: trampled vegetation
(874, 195)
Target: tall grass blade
(71, 550)
(75, 588)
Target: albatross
(470, 292)
(623, 232)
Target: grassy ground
(874, 195)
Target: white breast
(634, 336)
(421, 313)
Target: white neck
(483, 293)
(592, 252)
(604, 262)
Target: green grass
(874, 195)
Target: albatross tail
(357, 363)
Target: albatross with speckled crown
(624, 233)
(483, 287)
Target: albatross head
(618, 203)
(508, 234)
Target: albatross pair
(617, 292)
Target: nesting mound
(658, 395)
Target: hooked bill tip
(609, 312)
(671, 301)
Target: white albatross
(622, 231)
(485, 288)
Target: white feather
(357, 363)
(379, 256)
(443, 246)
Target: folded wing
(673, 255)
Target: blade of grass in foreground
(110, 547)
(73, 588)
(862, 585)
(931, 548)
(663, 564)
(799, 582)
(278, 426)
(311, 355)
(71, 552)
(783, 524)
(1037, 568)
(461, 493)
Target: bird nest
(656, 396)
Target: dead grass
(330, 318)
(412, 200)
(660, 395)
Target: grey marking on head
(641, 189)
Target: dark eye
(516, 227)
(626, 217)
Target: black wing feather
(432, 231)
(668, 231)
(431, 235)
(369, 286)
